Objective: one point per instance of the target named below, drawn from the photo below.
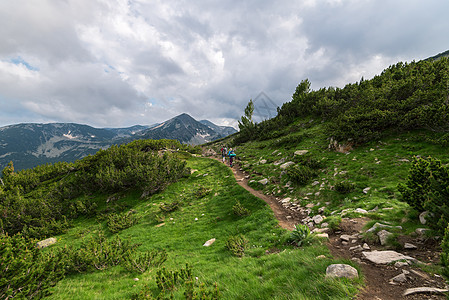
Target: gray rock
(286, 165)
(421, 231)
(366, 190)
(386, 257)
(321, 230)
(401, 278)
(379, 225)
(209, 242)
(46, 243)
(263, 161)
(322, 235)
(346, 237)
(341, 270)
(301, 152)
(356, 248)
(401, 264)
(286, 200)
(423, 217)
(366, 247)
(410, 246)
(360, 211)
(315, 183)
(425, 289)
(263, 181)
(317, 219)
(383, 236)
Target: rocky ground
(389, 274)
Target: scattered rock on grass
(209, 242)
(286, 165)
(379, 225)
(263, 181)
(341, 270)
(383, 236)
(46, 243)
(301, 152)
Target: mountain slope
(29, 145)
(223, 130)
(183, 128)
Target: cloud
(120, 62)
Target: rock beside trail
(401, 278)
(383, 236)
(409, 246)
(385, 257)
(46, 243)
(424, 289)
(379, 225)
(341, 270)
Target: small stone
(341, 270)
(136, 279)
(346, 237)
(421, 231)
(160, 225)
(263, 161)
(410, 246)
(209, 242)
(263, 181)
(366, 247)
(321, 230)
(400, 264)
(324, 225)
(286, 165)
(423, 217)
(301, 152)
(322, 235)
(356, 248)
(320, 257)
(401, 278)
(315, 183)
(196, 219)
(383, 236)
(366, 190)
(317, 219)
(286, 200)
(379, 225)
(46, 243)
(360, 211)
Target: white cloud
(119, 63)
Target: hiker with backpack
(223, 153)
(231, 155)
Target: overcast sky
(114, 63)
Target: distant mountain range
(30, 144)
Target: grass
(206, 200)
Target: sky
(117, 63)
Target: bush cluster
(301, 174)
(344, 187)
(426, 189)
(118, 222)
(40, 202)
(237, 245)
(239, 210)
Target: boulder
(341, 270)
(286, 165)
(360, 211)
(46, 243)
(317, 219)
(386, 257)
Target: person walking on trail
(231, 155)
(223, 153)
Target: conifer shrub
(427, 189)
(444, 257)
(237, 245)
(239, 210)
(118, 222)
(169, 207)
(142, 262)
(344, 187)
(25, 271)
(301, 174)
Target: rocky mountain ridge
(31, 144)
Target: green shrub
(239, 210)
(445, 253)
(118, 222)
(344, 187)
(169, 207)
(142, 262)
(301, 235)
(427, 189)
(26, 271)
(300, 174)
(237, 245)
(202, 192)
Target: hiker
(223, 153)
(231, 155)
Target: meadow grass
(205, 211)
